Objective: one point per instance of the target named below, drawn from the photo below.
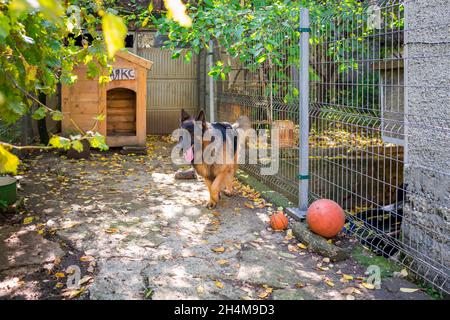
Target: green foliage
(38, 50)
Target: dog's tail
(243, 122)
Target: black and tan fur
(218, 177)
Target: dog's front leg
(214, 190)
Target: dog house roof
(147, 64)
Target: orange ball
(325, 217)
(279, 221)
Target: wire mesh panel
(268, 95)
(365, 81)
(379, 124)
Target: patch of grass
(367, 258)
(148, 293)
(432, 292)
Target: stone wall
(427, 168)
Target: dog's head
(188, 123)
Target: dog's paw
(228, 193)
(211, 205)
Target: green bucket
(8, 190)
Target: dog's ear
(201, 116)
(184, 115)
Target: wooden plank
(122, 117)
(120, 141)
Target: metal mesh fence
(379, 125)
(268, 95)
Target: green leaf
(77, 145)
(57, 115)
(4, 26)
(8, 161)
(188, 56)
(114, 32)
(59, 142)
(39, 113)
(99, 142)
(100, 117)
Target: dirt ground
(124, 228)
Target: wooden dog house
(122, 102)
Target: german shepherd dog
(218, 176)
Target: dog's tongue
(189, 155)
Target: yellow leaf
(112, 230)
(219, 249)
(28, 220)
(330, 283)
(87, 258)
(219, 284)
(222, 262)
(249, 205)
(114, 32)
(60, 275)
(85, 280)
(302, 246)
(72, 293)
(409, 290)
(8, 161)
(347, 277)
(59, 285)
(368, 285)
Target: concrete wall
(427, 170)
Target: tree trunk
(42, 124)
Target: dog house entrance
(121, 112)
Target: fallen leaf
(219, 284)
(85, 280)
(112, 230)
(347, 277)
(200, 290)
(289, 235)
(368, 285)
(323, 268)
(299, 285)
(326, 260)
(60, 275)
(59, 285)
(218, 249)
(222, 262)
(302, 246)
(409, 290)
(28, 220)
(249, 205)
(266, 293)
(330, 283)
(87, 258)
(72, 293)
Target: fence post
(211, 82)
(300, 212)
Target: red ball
(325, 217)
